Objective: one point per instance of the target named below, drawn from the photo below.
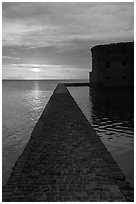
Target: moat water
(110, 112)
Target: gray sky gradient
(54, 39)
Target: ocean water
(109, 111)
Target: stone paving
(65, 160)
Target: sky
(51, 40)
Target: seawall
(76, 84)
(65, 160)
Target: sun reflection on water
(37, 99)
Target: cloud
(59, 35)
(41, 66)
(58, 24)
(8, 57)
(26, 71)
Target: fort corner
(113, 65)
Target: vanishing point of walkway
(65, 160)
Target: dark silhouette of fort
(113, 65)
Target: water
(22, 105)
(109, 111)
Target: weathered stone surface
(65, 160)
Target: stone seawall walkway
(65, 160)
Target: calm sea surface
(109, 111)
